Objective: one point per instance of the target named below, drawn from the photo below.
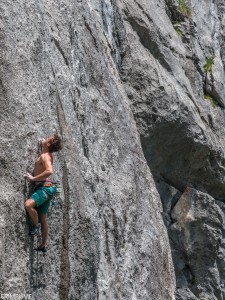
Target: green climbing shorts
(42, 197)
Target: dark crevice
(3, 89)
(85, 147)
(61, 51)
(117, 232)
(91, 33)
(107, 252)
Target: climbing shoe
(34, 230)
(42, 249)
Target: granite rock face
(59, 72)
(173, 74)
(136, 89)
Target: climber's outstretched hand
(28, 176)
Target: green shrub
(184, 9)
(178, 29)
(208, 65)
(213, 102)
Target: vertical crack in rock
(61, 51)
(85, 147)
(91, 33)
(3, 91)
(85, 254)
(64, 286)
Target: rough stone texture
(59, 72)
(196, 233)
(113, 76)
(173, 74)
(181, 132)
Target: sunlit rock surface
(136, 89)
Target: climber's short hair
(55, 143)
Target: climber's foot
(41, 248)
(34, 230)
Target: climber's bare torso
(43, 162)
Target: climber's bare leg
(30, 208)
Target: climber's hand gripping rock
(28, 176)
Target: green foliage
(213, 102)
(178, 29)
(208, 65)
(184, 9)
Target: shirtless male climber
(38, 204)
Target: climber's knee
(29, 204)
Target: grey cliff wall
(136, 89)
(60, 73)
(173, 75)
